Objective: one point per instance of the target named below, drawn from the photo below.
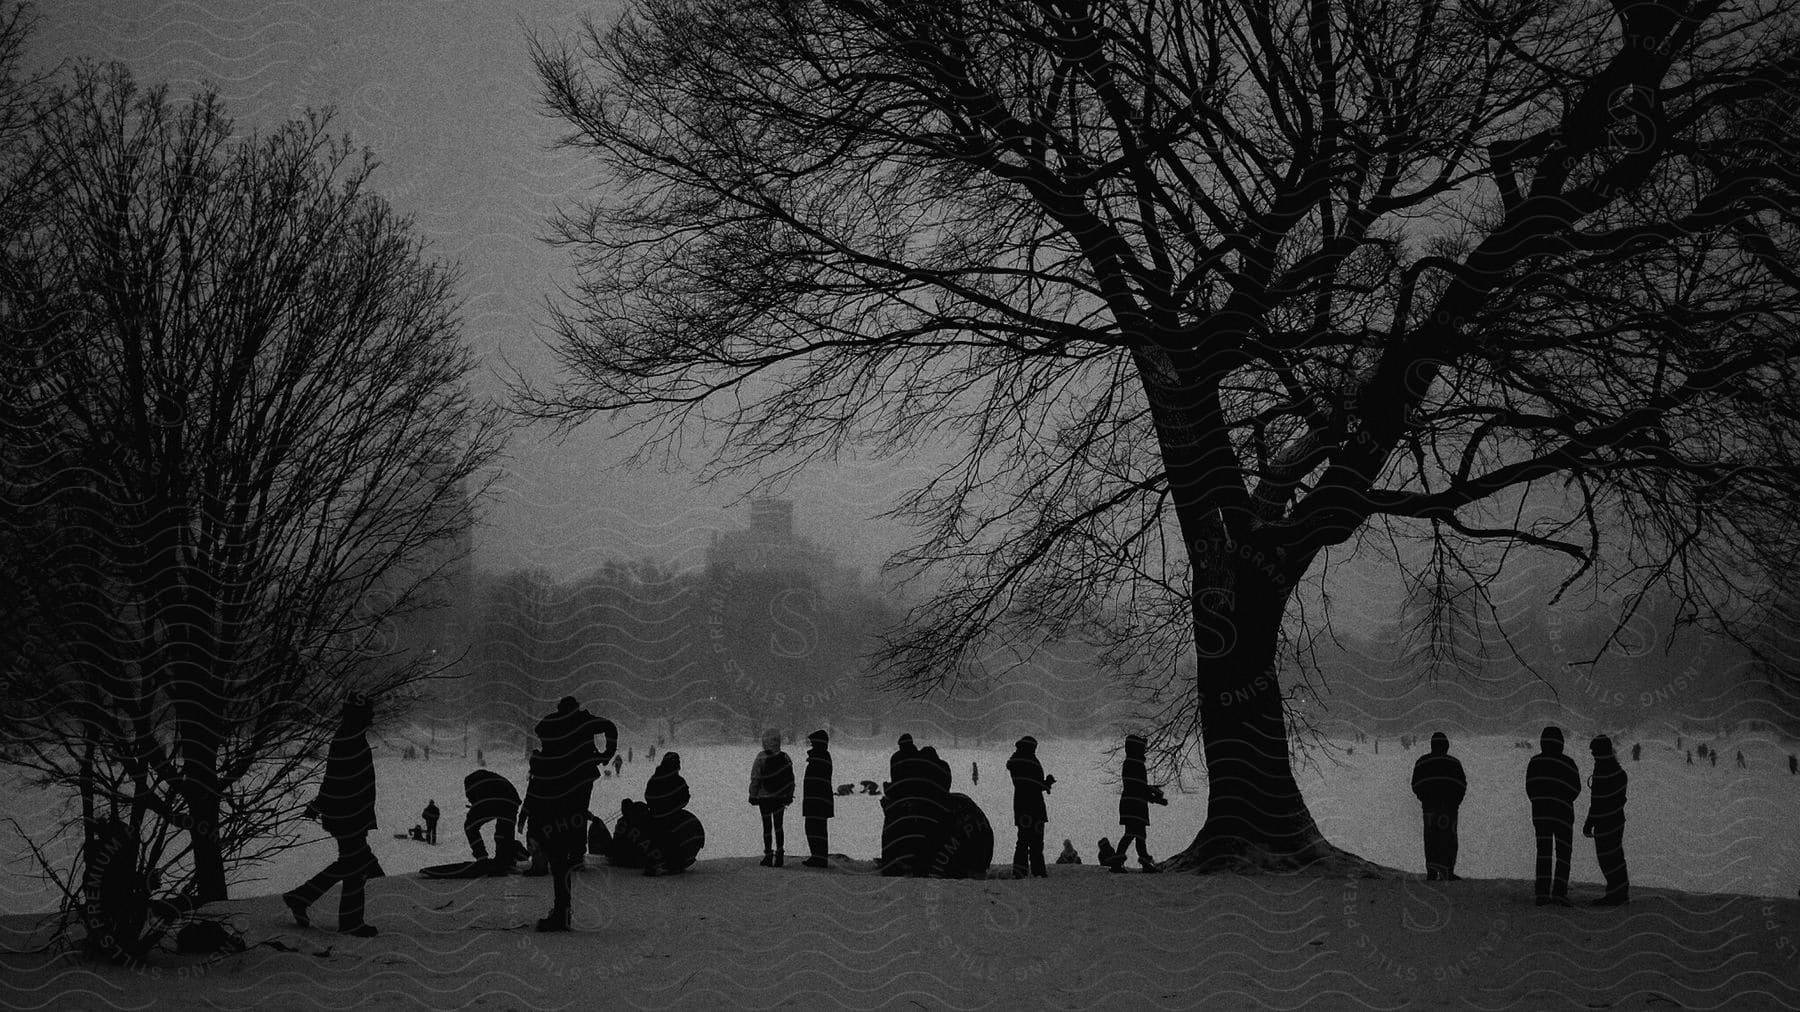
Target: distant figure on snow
(1712, 756)
(1793, 764)
(1552, 782)
(430, 815)
(1068, 855)
(771, 791)
(1135, 797)
(1637, 752)
(871, 788)
(1742, 765)
(1690, 757)
(1439, 784)
(563, 772)
(1606, 821)
(346, 810)
(618, 765)
(975, 773)
(816, 804)
(1030, 784)
(492, 798)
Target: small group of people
(772, 791)
(1552, 784)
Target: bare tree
(240, 423)
(1200, 293)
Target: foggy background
(707, 611)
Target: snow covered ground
(1697, 828)
(728, 934)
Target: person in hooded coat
(902, 814)
(931, 806)
(1030, 784)
(492, 798)
(1135, 797)
(561, 785)
(346, 810)
(1606, 821)
(1552, 783)
(771, 791)
(1439, 784)
(666, 796)
(816, 801)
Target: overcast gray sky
(445, 95)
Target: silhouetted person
(563, 773)
(1741, 764)
(902, 815)
(430, 815)
(1793, 764)
(1712, 756)
(932, 805)
(1030, 784)
(665, 796)
(1068, 855)
(1637, 752)
(1439, 784)
(816, 803)
(1135, 796)
(618, 765)
(975, 774)
(492, 798)
(771, 791)
(346, 810)
(1690, 757)
(1552, 782)
(1606, 821)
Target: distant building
(770, 546)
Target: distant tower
(772, 519)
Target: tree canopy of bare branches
(1202, 291)
(238, 434)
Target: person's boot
(1617, 899)
(363, 930)
(298, 907)
(1149, 867)
(768, 860)
(816, 862)
(556, 920)
(778, 856)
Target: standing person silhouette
(1030, 784)
(346, 809)
(1135, 797)
(771, 791)
(1606, 822)
(563, 773)
(1552, 782)
(816, 804)
(430, 815)
(1439, 783)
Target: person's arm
(756, 773)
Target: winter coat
(772, 779)
(1134, 798)
(1552, 782)
(346, 801)
(1606, 805)
(568, 763)
(666, 793)
(1028, 789)
(490, 796)
(905, 777)
(816, 798)
(1438, 781)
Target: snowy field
(1696, 828)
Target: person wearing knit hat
(1030, 784)
(1136, 795)
(816, 804)
(1439, 783)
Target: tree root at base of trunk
(1212, 854)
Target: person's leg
(780, 843)
(1565, 833)
(1609, 849)
(1448, 844)
(558, 834)
(472, 830)
(355, 859)
(1035, 849)
(505, 843)
(815, 841)
(768, 830)
(1545, 843)
(1429, 835)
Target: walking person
(816, 804)
(771, 791)
(563, 773)
(346, 809)
(1135, 797)
(1439, 783)
(1552, 783)
(1606, 822)
(430, 815)
(1030, 784)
